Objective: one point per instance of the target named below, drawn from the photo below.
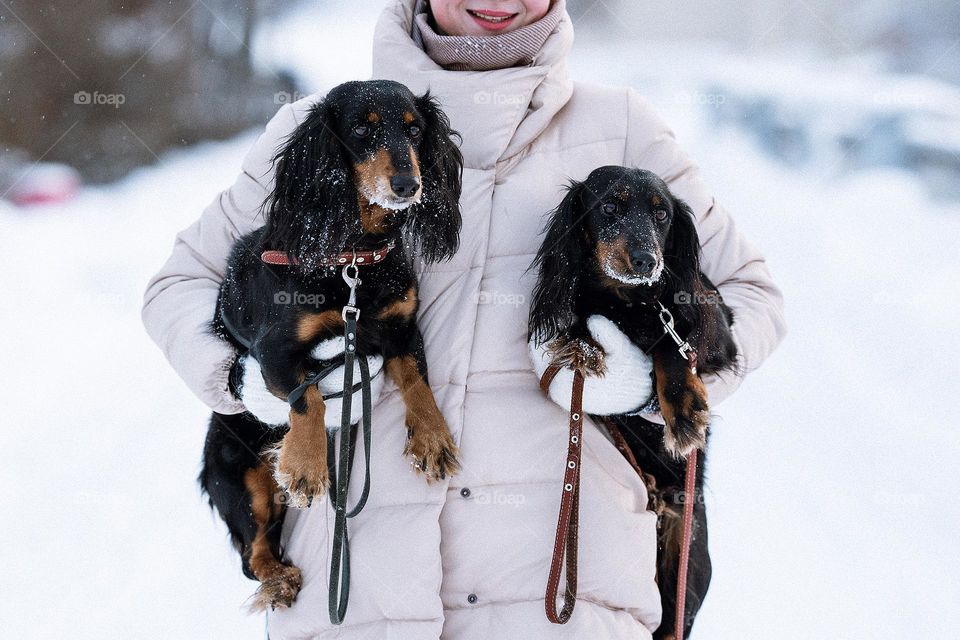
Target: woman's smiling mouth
(492, 20)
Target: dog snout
(643, 261)
(404, 186)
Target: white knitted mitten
(270, 409)
(626, 385)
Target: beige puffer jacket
(469, 559)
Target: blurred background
(830, 129)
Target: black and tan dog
(619, 245)
(372, 167)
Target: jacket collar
(498, 113)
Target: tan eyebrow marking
(407, 117)
(655, 200)
(373, 116)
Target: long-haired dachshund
(619, 245)
(372, 167)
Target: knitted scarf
(483, 53)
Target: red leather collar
(360, 258)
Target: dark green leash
(339, 594)
(339, 475)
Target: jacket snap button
(465, 492)
(472, 598)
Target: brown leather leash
(689, 496)
(568, 523)
(565, 543)
(689, 483)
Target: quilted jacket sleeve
(728, 259)
(179, 301)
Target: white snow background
(833, 508)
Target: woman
(469, 558)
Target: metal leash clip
(353, 281)
(666, 318)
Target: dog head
(625, 230)
(370, 161)
(635, 227)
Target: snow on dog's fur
(618, 246)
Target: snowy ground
(832, 510)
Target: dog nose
(643, 261)
(404, 186)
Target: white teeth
(489, 18)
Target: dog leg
(279, 582)
(664, 478)
(683, 403)
(430, 443)
(301, 458)
(699, 569)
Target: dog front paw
(301, 472)
(583, 354)
(686, 424)
(432, 451)
(278, 590)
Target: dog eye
(660, 215)
(414, 131)
(361, 130)
(610, 207)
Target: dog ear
(683, 248)
(559, 262)
(697, 301)
(434, 225)
(312, 210)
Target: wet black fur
(646, 443)
(572, 286)
(313, 209)
(313, 212)
(232, 448)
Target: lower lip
(493, 26)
